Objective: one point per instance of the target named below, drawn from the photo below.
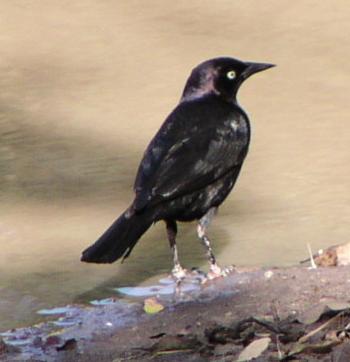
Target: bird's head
(221, 76)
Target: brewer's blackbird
(190, 166)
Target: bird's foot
(217, 272)
(178, 272)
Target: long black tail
(119, 239)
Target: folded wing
(191, 150)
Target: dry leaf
(336, 255)
(174, 344)
(338, 306)
(313, 314)
(68, 345)
(322, 347)
(254, 349)
(341, 353)
(152, 306)
(319, 328)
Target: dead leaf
(254, 349)
(174, 344)
(68, 345)
(313, 314)
(343, 254)
(320, 328)
(159, 335)
(323, 347)
(332, 336)
(152, 306)
(336, 255)
(222, 334)
(341, 353)
(338, 306)
(224, 350)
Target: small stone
(268, 274)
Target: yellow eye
(231, 74)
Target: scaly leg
(178, 271)
(203, 224)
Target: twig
(318, 329)
(280, 354)
(312, 261)
(268, 325)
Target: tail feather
(119, 239)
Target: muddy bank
(217, 320)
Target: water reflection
(84, 88)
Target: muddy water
(85, 85)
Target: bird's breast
(237, 125)
(235, 129)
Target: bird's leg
(202, 227)
(203, 224)
(178, 271)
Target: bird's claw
(217, 272)
(178, 273)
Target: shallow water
(84, 87)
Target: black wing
(199, 142)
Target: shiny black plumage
(191, 164)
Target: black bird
(191, 164)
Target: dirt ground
(302, 313)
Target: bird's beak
(255, 68)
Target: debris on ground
(336, 255)
(275, 314)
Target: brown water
(85, 85)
